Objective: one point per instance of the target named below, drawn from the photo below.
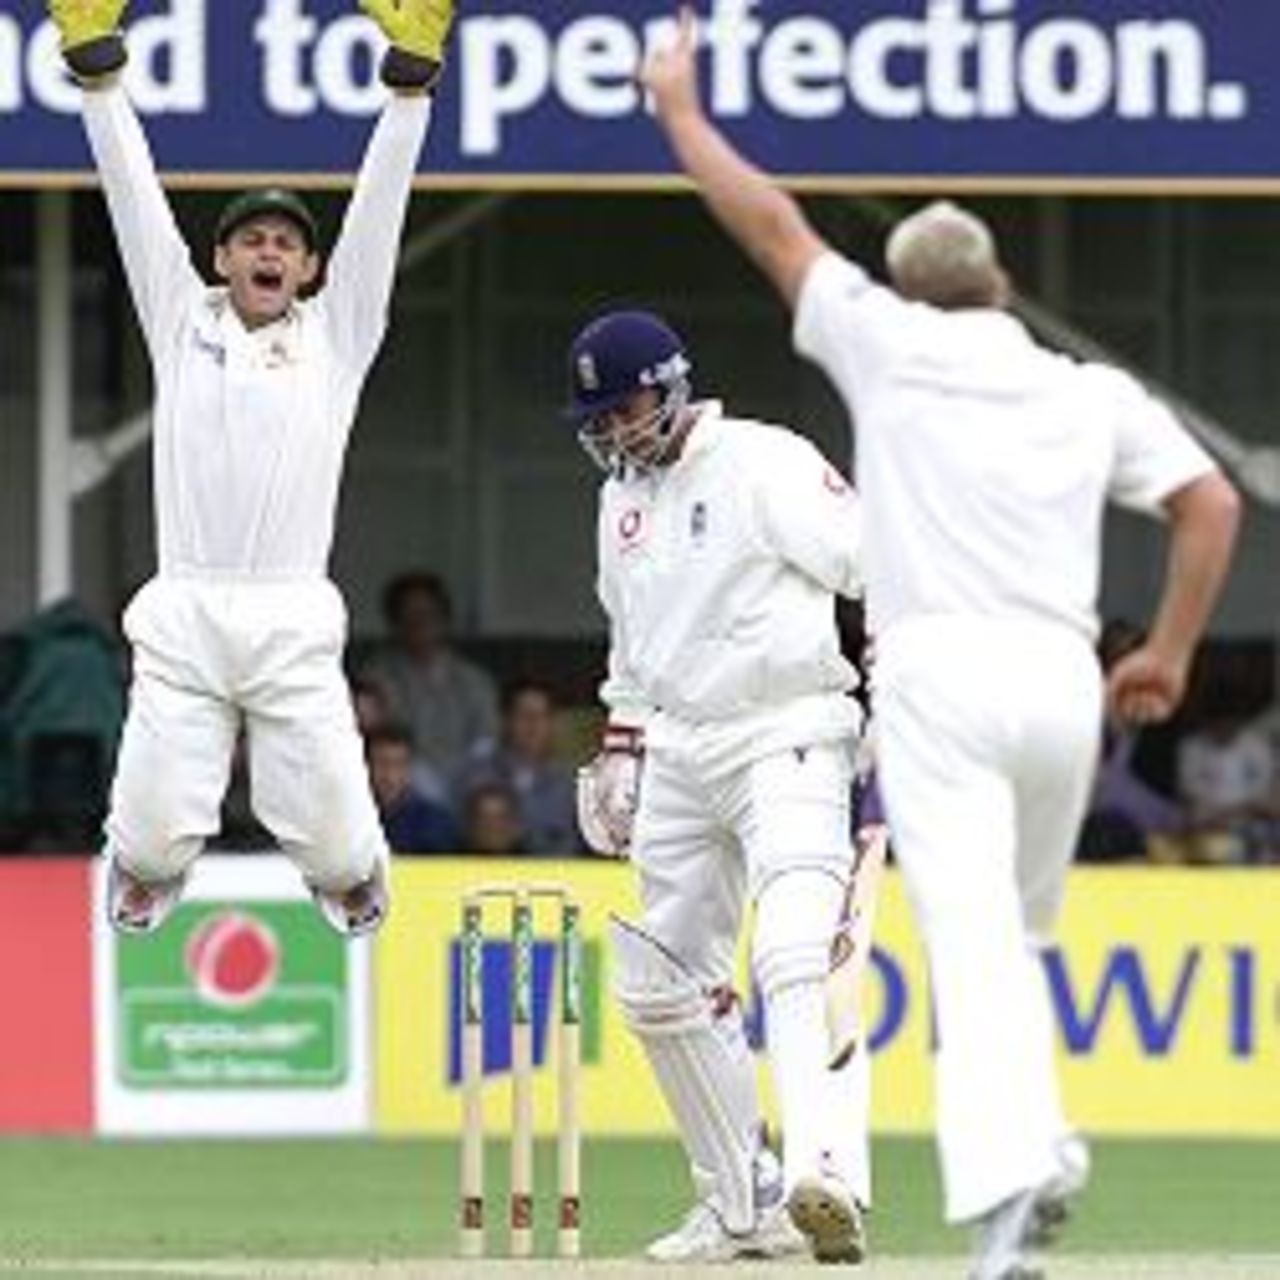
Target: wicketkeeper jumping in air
(256, 390)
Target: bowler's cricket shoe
(139, 906)
(829, 1216)
(1052, 1205)
(358, 910)
(1001, 1238)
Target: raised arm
(766, 222)
(155, 256)
(363, 265)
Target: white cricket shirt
(719, 572)
(250, 426)
(983, 460)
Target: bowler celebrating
(987, 463)
(256, 390)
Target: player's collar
(704, 433)
(218, 300)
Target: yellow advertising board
(1165, 985)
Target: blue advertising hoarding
(835, 92)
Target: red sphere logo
(233, 959)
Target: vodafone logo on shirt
(632, 528)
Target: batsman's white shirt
(718, 575)
(985, 463)
(249, 433)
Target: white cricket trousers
(213, 655)
(988, 736)
(704, 845)
(717, 828)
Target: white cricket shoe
(702, 1237)
(1001, 1238)
(139, 906)
(829, 1216)
(1053, 1200)
(358, 910)
(1032, 1219)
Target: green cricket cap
(268, 202)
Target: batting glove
(91, 43)
(417, 30)
(608, 791)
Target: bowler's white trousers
(988, 733)
(210, 656)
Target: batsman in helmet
(256, 388)
(726, 771)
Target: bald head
(945, 255)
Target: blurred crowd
(466, 760)
(458, 761)
(1206, 793)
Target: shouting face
(266, 263)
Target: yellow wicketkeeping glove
(83, 21)
(90, 30)
(419, 27)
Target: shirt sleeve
(1155, 455)
(362, 267)
(847, 324)
(156, 258)
(620, 692)
(810, 515)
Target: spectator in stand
(1227, 779)
(523, 760)
(448, 703)
(373, 714)
(370, 707)
(62, 702)
(492, 822)
(412, 823)
(1268, 724)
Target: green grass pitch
(361, 1199)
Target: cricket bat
(851, 945)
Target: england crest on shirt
(698, 521)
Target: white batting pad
(824, 1112)
(701, 1062)
(796, 913)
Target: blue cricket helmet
(621, 353)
